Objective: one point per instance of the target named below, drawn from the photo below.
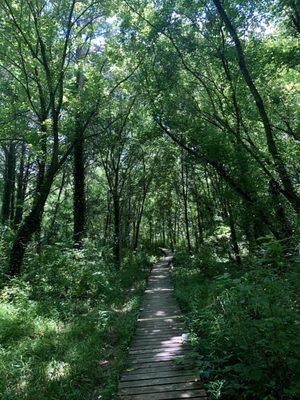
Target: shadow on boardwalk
(157, 367)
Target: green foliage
(245, 326)
(66, 325)
(180, 130)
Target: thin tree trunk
(185, 204)
(233, 183)
(163, 231)
(285, 226)
(13, 186)
(117, 231)
(79, 202)
(151, 230)
(9, 182)
(107, 220)
(233, 235)
(128, 223)
(199, 225)
(139, 220)
(51, 229)
(21, 187)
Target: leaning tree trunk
(29, 227)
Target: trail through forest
(129, 126)
(158, 358)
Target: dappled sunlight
(21, 386)
(160, 313)
(159, 356)
(62, 348)
(57, 370)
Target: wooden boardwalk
(153, 371)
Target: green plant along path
(132, 125)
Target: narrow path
(153, 372)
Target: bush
(65, 326)
(245, 325)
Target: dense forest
(131, 125)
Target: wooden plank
(156, 352)
(156, 331)
(161, 366)
(157, 381)
(188, 394)
(158, 342)
(154, 346)
(164, 331)
(169, 357)
(147, 350)
(133, 376)
(162, 340)
(170, 326)
(160, 388)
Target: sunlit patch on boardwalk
(158, 368)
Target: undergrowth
(244, 322)
(65, 326)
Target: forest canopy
(131, 125)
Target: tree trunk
(9, 183)
(151, 230)
(128, 239)
(295, 14)
(79, 203)
(21, 188)
(28, 227)
(117, 231)
(107, 220)
(13, 187)
(285, 226)
(52, 231)
(185, 204)
(199, 225)
(233, 235)
(163, 231)
(139, 220)
(248, 228)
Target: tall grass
(65, 326)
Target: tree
(40, 66)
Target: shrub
(245, 325)
(65, 326)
